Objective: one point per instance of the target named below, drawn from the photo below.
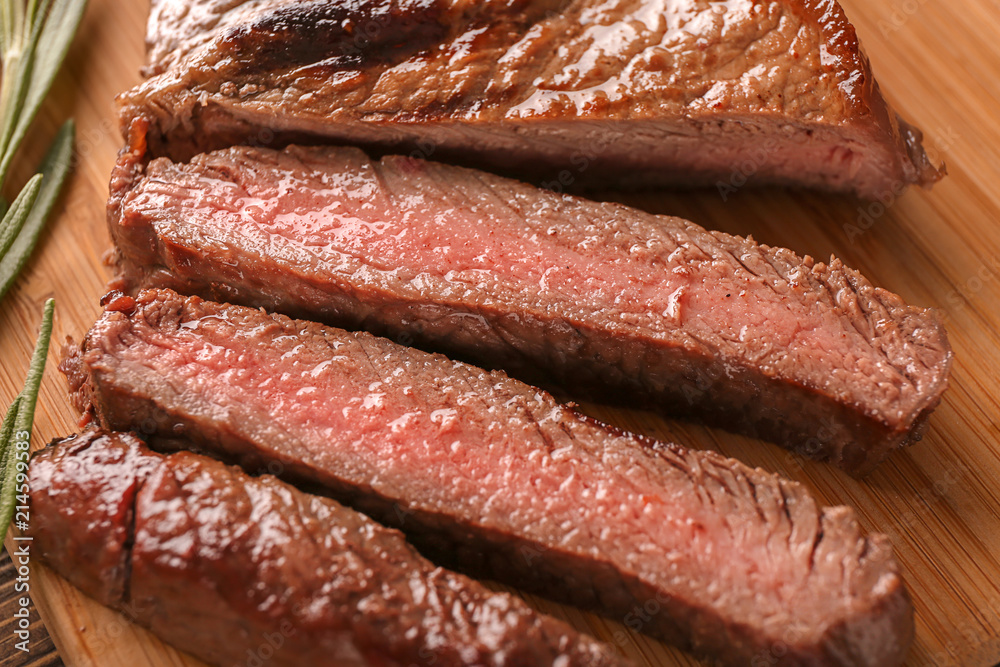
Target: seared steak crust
(571, 92)
(320, 35)
(496, 478)
(226, 566)
(599, 298)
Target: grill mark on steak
(218, 561)
(94, 525)
(610, 92)
(599, 298)
(327, 37)
(477, 468)
(128, 546)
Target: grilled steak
(574, 93)
(495, 477)
(228, 567)
(649, 309)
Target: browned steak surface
(573, 93)
(497, 478)
(647, 309)
(229, 567)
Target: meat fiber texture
(228, 567)
(604, 300)
(496, 478)
(571, 93)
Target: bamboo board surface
(939, 501)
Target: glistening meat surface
(497, 478)
(571, 92)
(597, 297)
(240, 570)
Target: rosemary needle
(15, 433)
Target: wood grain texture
(939, 501)
(34, 649)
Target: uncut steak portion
(228, 567)
(494, 477)
(571, 93)
(601, 297)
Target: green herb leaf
(15, 434)
(6, 437)
(15, 83)
(35, 36)
(13, 220)
(54, 170)
(53, 25)
(29, 395)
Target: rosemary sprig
(15, 434)
(35, 36)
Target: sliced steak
(495, 477)
(600, 297)
(573, 93)
(230, 567)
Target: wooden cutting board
(937, 61)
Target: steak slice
(229, 567)
(496, 478)
(600, 297)
(573, 93)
